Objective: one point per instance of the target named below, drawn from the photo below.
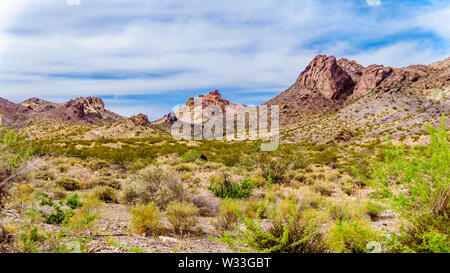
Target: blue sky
(150, 55)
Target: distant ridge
(83, 110)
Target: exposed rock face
(213, 98)
(38, 105)
(167, 120)
(371, 77)
(88, 110)
(354, 69)
(140, 120)
(326, 76)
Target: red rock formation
(139, 120)
(326, 76)
(213, 98)
(354, 69)
(372, 76)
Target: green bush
(352, 236)
(54, 213)
(73, 202)
(226, 188)
(190, 156)
(287, 229)
(424, 175)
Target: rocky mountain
(333, 97)
(89, 110)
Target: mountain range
(330, 99)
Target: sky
(147, 56)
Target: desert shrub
(73, 201)
(347, 186)
(423, 174)
(14, 153)
(105, 194)
(227, 215)
(182, 216)
(373, 209)
(190, 156)
(323, 189)
(226, 188)
(137, 165)
(59, 193)
(68, 184)
(325, 157)
(206, 203)
(104, 181)
(424, 234)
(159, 184)
(44, 174)
(55, 213)
(186, 167)
(29, 237)
(145, 219)
(255, 209)
(97, 164)
(286, 230)
(352, 236)
(62, 168)
(85, 217)
(276, 164)
(258, 181)
(212, 165)
(339, 212)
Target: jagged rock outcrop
(213, 98)
(326, 76)
(354, 69)
(140, 120)
(371, 77)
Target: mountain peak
(325, 75)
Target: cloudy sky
(150, 55)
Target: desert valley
(363, 166)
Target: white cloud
(438, 21)
(374, 2)
(400, 55)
